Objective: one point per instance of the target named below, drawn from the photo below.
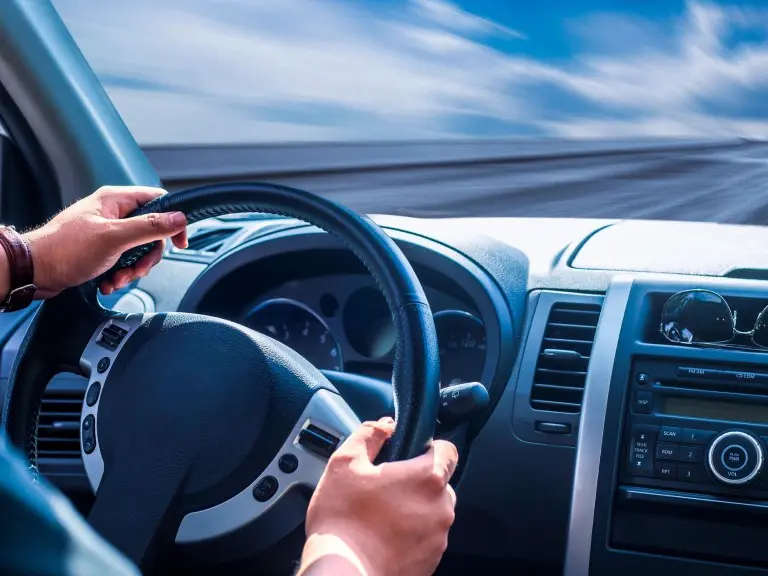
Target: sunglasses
(704, 317)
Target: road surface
(727, 184)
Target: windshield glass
(274, 71)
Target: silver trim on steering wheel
(325, 410)
(328, 411)
(89, 360)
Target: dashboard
(605, 448)
(342, 323)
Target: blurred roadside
(705, 181)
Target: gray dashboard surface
(707, 249)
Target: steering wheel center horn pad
(215, 421)
(198, 430)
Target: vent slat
(210, 240)
(561, 369)
(58, 431)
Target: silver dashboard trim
(592, 425)
(758, 465)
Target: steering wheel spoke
(96, 361)
(299, 464)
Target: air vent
(58, 430)
(561, 368)
(210, 240)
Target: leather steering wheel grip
(416, 370)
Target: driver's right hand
(390, 518)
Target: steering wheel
(202, 431)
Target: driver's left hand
(86, 239)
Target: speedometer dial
(462, 341)
(298, 327)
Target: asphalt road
(727, 185)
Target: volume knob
(735, 457)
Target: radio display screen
(715, 410)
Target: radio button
(744, 376)
(735, 457)
(641, 450)
(691, 372)
(693, 436)
(643, 402)
(666, 470)
(670, 434)
(695, 474)
(666, 451)
(693, 454)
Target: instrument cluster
(359, 335)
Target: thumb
(150, 227)
(368, 440)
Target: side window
(20, 204)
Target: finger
(451, 495)
(149, 227)
(128, 198)
(147, 262)
(368, 440)
(122, 278)
(445, 457)
(106, 287)
(181, 240)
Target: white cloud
(234, 70)
(453, 17)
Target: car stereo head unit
(696, 427)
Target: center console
(671, 473)
(697, 427)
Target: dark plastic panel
(674, 538)
(526, 418)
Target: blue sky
(208, 71)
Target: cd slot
(717, 380)
(716, 386)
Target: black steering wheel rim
(64, 325)
(416, 365)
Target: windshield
(614, 72)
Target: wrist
(332, 551)
(37, 241)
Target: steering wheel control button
(670, 434)
(735, 457)
(288, 463)
(666, 452)
(318, 441)
(266, 488)
(89, 434)
(666, 471)
(92, 396)
(103, 365)
(641, 450)
(694, 436)
(111, 337)
(643, 402)
(643, 379)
